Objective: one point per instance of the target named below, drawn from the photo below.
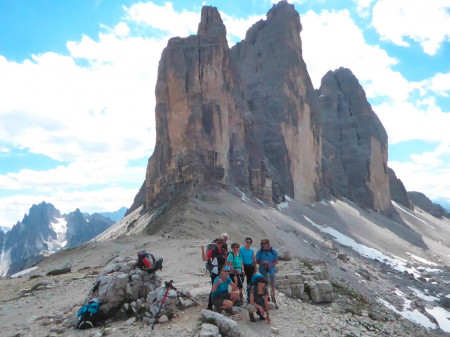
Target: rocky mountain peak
(211, 23)
(284, 13)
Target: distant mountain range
(443, 202)
(45, 230)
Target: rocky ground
(374, 292)
(46, 305)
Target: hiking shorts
(271, 278)
(217, 300)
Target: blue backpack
(87, 315)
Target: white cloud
(426, 22)
(165, 18)
(332, 40)
(238, 26)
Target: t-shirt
(269, 256)
(247, 255)
(223, 287)
(236, 260)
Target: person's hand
(219, 281)
(235, 278)
(203, 247)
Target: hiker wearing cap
(234, 261)
(221, 298)
(259, 299)
(267, 259)
(216, 257)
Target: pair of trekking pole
(169, 286)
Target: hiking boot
(261, 317)
(230, 311)
(252, 317)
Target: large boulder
(227, 326)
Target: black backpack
(88, 314)
(155, 264)
(215, 254)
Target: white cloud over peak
(332, 40)
(164, 18)
(425, 22)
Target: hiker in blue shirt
(249, 261)
(267, 259)
(221, 298)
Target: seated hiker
(267, 259)
(249, 262)
(234, 261)
(147, 261)
(221, 298)
(259, 299)
(216, 259)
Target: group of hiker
(232, 267)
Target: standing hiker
(267, 259)
(222, 299)
(216, 257)
(249, 261)
(234, 261)
(224, 237)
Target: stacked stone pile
(124, 289)
(307, 285)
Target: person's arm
(258, 258)
(275, 259)
(254, 263)
(206, 256)
(234, 284)
(216, 284)
(266, 304)
(228, 263)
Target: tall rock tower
(281, 130)
(355, 148)
(194, 112)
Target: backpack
(147, 262)
(215, 254)
(87, 315)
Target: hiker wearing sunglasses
(216, 257)
(221, 298)
(267, 259)
(234, 261)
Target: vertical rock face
(250, 117)
(283, 139)
(398, 190)
(355, 148)
(194, 111)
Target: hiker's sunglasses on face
(248, 241)
(221, 242)
(226, 271)
(235, 247)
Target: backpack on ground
(88, 314)
(147, 262)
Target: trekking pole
(185, 295)
(168, 286)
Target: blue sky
(77, 81)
